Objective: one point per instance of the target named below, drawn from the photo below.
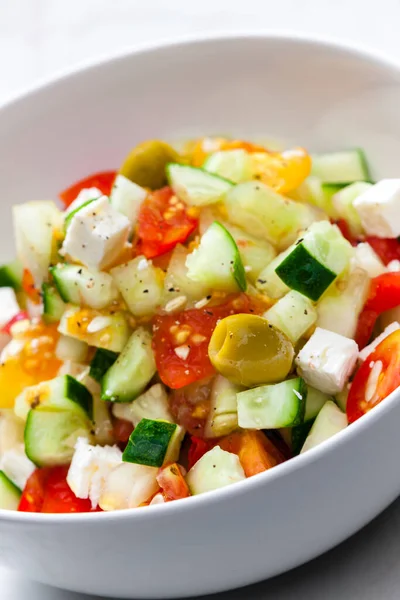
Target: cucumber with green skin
(273, 406)
(101, 362)
(154, 443)
(53, 304)
(79, 285)
(152, 404)
(316, 260)
(11, 275)
(342, 167)
(216, 262)
(293, 314)
(132, 371)
(50, 435)
(10, 494)
(61, 393)
(196, 186)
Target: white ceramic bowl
(313, 93)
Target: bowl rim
(360, 51)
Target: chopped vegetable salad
(193, 319)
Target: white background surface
(41, 37)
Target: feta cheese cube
(96, 235)
(366, 258)
(11, 431)
(379, 209)
(90, 467)
(128, 486)
(365, 352)
(327, 360)
(84, 196)
(9, 306)
(17, 466)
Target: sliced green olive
(249, 351)
(145, 164)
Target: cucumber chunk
(273, 406)
(109, 331)
(319, 194)
(68, 348)
(132, 370)
(154, 443)
(53, 304)
(260, 211)
(293, 314)
(62, 393)
(216, 262)
(339, 309)
(10, 495)
(140, 284)
(234, 165)
(296, 436)
(328, 423)
(51, 434)
(314, 403)
(126, 197)
(11, 275)
(215, 469)
(101, 362)
(223, 417)
(343, 202)
(78, 285)
(316, 260)
(152, 404)
(35, 243)
(195, 186)
(341, 167)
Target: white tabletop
(40, 37)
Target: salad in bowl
(196, 318)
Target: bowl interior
(308, 93)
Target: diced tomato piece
(378, 376)
(172, 483)
(47, 491)
(58, 497)
(384, 294)
(28, 285)
(345, 231)
(194, 328)
(21, 316)
(33, 494)
(255, 451)
(103, 181)
(122, 430)
(386, 249)
(163, 222)
(190, 405)
(198, 448)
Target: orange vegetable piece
(255, 451)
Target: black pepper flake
(299, 241)
(262, 281)
(251, 310)
(208, 297)
(305, 311)
(145, 291)
(209, 312)
(78, 323)
(171, 289)
(80, 272)
(83, 245)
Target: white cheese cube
(126, 197)
(327, 360)
(366, 258)
(90, 467)
(9, 306)
(17, 466)
(128, 485)
(365, 352)
(379, 209)
(11, 431)
(96, 235)
(84, 196)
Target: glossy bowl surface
(309, 92)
